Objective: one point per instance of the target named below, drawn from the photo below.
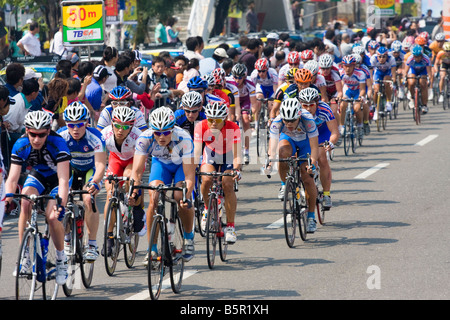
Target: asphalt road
(385, 238)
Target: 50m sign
(83, 22)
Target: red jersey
(220, 142)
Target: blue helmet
(120, 93)
(381, 50)
(396, 46)
(197, 83)
(417, 50)
(348, 59)
(76, 111)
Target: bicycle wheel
(223, 245)
(302, 212)
(50, 288)
(289, 212)
(176, 250)
(212, 230)
(26, 283)
(86, 267)
(111, 244)
(131, 239)
(446, 104)
(347, 134)
(199, 207)
(378, 108)
(416, 106)
(156, 258)
(319, 201)
(70, 228)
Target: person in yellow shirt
(436, 45)
(443, 63)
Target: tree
(221, 14)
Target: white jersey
(181, 146)
(126, 151)
(269, 81)
(105, 118)
(284, 69)
(320, 81)
(306, 128)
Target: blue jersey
(183, 122)
(322, 116)
(45, 160)
(83, 150)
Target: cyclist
(221, 153)
(171, 149)
(354, 87)
(328, 131)
(120, 140)
(247, 99)
(384, 66)
(442, 64)
(418, 64)
(48, 155)
(87, 148)
(120, 96)
(366, 104)
(317, 79)
(437, 45)
(294, 128)
(307, 55)
(293, 62)
(190, 112)
(398, 54)
(232, 92)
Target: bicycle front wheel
(223, 245)
(417, 106)
(111, 244)
(50, 289)
(131, 241)
(70, 228)
(156, 258)
(26, 283)
(347, 134)
(378, 121)
(289, 212)
(176, 250)
(212, 230)
(86, 267)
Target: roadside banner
(83, 22)
(446, 18)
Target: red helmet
(293, 57)
(307, 55)
(425, 35)
(262, 64)
(420, 41)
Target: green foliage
(160, 9)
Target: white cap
(221, 52)
(30, 74)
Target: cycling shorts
(81, 178)
(379, 75)
(245, 105)
(267, 91)
(221, 162)
(351, 94)
(43, 184)
(445, 66)
(421, 72)
(167, 173)
(116, 166)
(324, 133)
(302, 145)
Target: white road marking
(372, 170)
(277, 224)
(166, 284)
(423, 142)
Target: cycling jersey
(265, 85)
(181, 146)
(105, 118)
(444, 58)
(183, 122)
(284, 69)
(247, 90)
(418, 68)
(382, 69)
(222, 95)
(352, 81)
(399, 60)
(83, 150)
(126, 150)
(279, 94)
(330, 81)
(322, 116)
(320, 81)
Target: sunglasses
(217, 121)
(382, 56)
(40, 135)
(164, 133)
(238, 78)
(306, 105)
(119, 103)
(190, 111)
(122, 126)
(76, 125)
(262, 71)
(289, 121)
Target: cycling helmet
(197, 83)
(425, 35)
(358, 50)
(382, 51)
(239, 70)
(262, 64)
(446, 46)
(440, 36)
(38, 120)
(313, 66)
(421, 41)
(417, 50)
(325, 61)
(348, 59)
(219, 72)
(191, 99)
(290, 74)
(373, 44)
(76, 111)
(303, 76)
(162, 119)
(406, 44)
(293, 57)
(307, 55)
(216, 109)
(291, 92)
(120, 93)
(210, 80)
(290, 109)
(308, 95)
(396, 46)
(123, 115)
(358, 58)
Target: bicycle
(417, 100)
(446, 104)
(436, 88)
(199, 206)
(262, 130)
(319, 202)
(350, 132)
(167, 236)
(36, 262)
(395, 99)
(294, 206)
(215, 225)
(119, 222)
(381, 105)
(74, 225)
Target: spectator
(181, 62)
(346, 46)
(123, 75)
(201, 46)
(75, 61)
(233, 54)
(248, 57)
(30, 44)
(251, 18)
(63, 69)
(172, 36)
(31, 74)
(14, 77)
(328, 41)
(192, 46)
(4, 44)
(157, 76)
(192, 70)
(207, 65)
(94, 91)
(109, 60)
(160, 33)
(57, 45)
(56, 100)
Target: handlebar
(159, 188)
(80, 192)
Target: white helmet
(76, 111)
(313, 66)
(124, 115)
(38, 120)
(325, 61)
(216, 109)
(191, 99)
(308, 95)
(439, 37)
(357, 58)
(162, 119)
(290, 109)
(358, 50)
(396, 46)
